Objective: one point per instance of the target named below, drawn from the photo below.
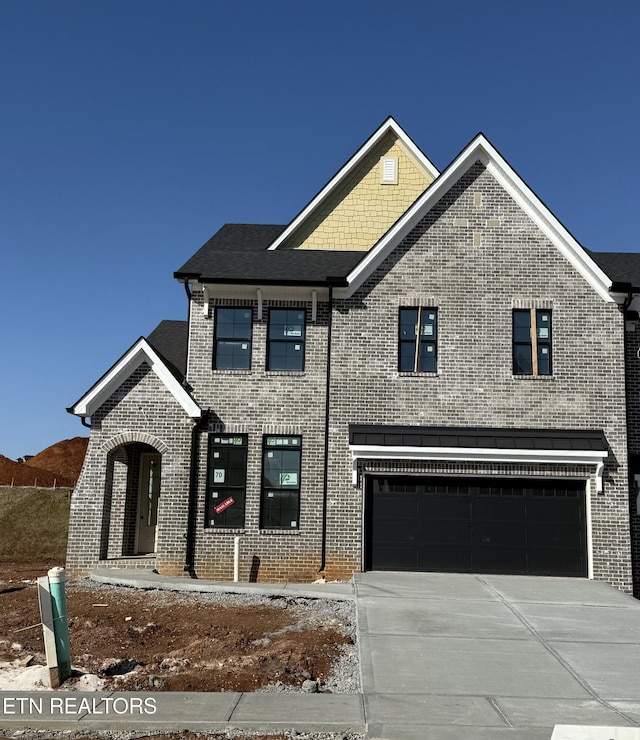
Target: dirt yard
(164, 641)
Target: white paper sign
(218, 476)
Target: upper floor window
(226, 480)
(281, 482)
(286, 339)
(418, 340)
(532, 342)
(232, 344)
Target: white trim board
(139, 353)
(478, 454)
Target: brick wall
(475, 257)
(141, 415)
(260, 402)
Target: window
(232, 345)
(281, 483)
(532, 342)
(226, 480)
(286, 339)
(418, 340)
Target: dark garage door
(476, 525)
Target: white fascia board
(388, 125)
(128, 363)
(481, 149)
(477, 454)
(269, 292)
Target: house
(423, 370)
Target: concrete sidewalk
(148, 579)
(145, 711)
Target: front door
(150, 464)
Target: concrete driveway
(473, 657)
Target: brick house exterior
(362, 386)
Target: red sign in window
(224, 505)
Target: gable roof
(238, 253)
(480, 149)
(167, 336)
(249, 254)
(387, 126)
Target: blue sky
(131, 130)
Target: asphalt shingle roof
(238, 254)
(170, 339)
(621, 267)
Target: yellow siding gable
(362, 209)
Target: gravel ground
(345, 678)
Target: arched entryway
(132, 496)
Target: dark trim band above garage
(506, 439)
(523, 446)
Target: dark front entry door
(476, 525)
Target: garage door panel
(560, 561)
(395, 557)
(499, 508)
(445, 558)
(553, 534)
(446, 532)
(496, 534)
(444, 507)
(499, 560)
(554, 510)
(476, 525)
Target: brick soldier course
(473, 244)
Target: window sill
(230, 371)
(290, 532)
(269, 373)
(539, 378)
(225, 530)
(411, 374)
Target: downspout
(84, 422)
(634, 498)
(192, 512)
(325, 483)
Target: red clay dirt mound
(13, 473)
(58, 465)
(63, 458)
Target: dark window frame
(217, 338)
(271, 342)
(419, 343)
(221, 521)
(269, 444)
(532, 354)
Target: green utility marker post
(60, 624)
